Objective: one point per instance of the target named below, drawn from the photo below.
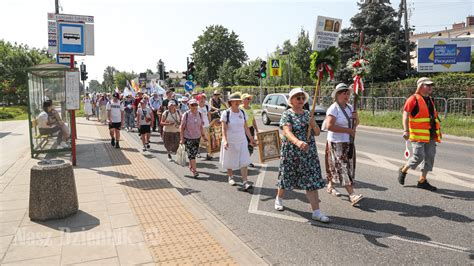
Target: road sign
(326, 33)
(52, 37)
(71, 38)
(72, 90)
(189, 86)
(444, 55)
(87, 33)
(275, 69)
(63, 59)
(70, 18)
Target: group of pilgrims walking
(187, 121)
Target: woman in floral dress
(299, 163)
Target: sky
(134, 35)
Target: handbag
(351, 144)
(181, 155)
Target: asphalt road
(393, 224)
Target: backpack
(227, 115)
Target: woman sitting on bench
(49, 122)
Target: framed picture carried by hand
(269, 144)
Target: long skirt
(88, 108)
(103, 113)
(235, 157)
(339, 168)
(171, 141)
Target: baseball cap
(116, 95)
(193, 101)
(423, 80)
(170, 103)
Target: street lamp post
(289, 65)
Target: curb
(399, 131)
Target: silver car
(276, 103)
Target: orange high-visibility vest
(419, 125)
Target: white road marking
(438, 174)
(253, 209)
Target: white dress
(237, 154)
(88, 106)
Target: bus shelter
(49, 121)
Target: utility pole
(56, 5)
(407, 35)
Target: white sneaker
(63, 145)
(320, 218)
(247, 185)
(279, 204)
(231, 181)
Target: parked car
(276, 103)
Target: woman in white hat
(171, 120)
(234, 153)
(251, 123)
(340, 156)
(299, 163)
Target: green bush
(447, 85)
(6, 116)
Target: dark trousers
(252, 132)
(156, 118)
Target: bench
(40, 139)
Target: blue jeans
(129, 120)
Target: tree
(212, 48)
(377, 19)
(149, 72)
(14, 58)
(109, 82)
(226, 74)
(121, 77)
(245, 75)
(302, 53)
(95, 86)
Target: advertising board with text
(327, 32)
(444, 55)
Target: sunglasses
(300, 98)
(194, 104)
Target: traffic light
(263, 69)
(161, 69)
(83, 72)
(190, 71)
(166, 75)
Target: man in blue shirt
(155, 105)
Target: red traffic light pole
(73, 123)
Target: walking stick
(313, 107)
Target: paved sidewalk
(130, 213)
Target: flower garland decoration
(324, 63)
(360, 68)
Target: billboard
(326, 33)
(444, 55)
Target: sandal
(354, 198)
(333, 192)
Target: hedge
(447, 85)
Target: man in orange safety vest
(421, 126)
